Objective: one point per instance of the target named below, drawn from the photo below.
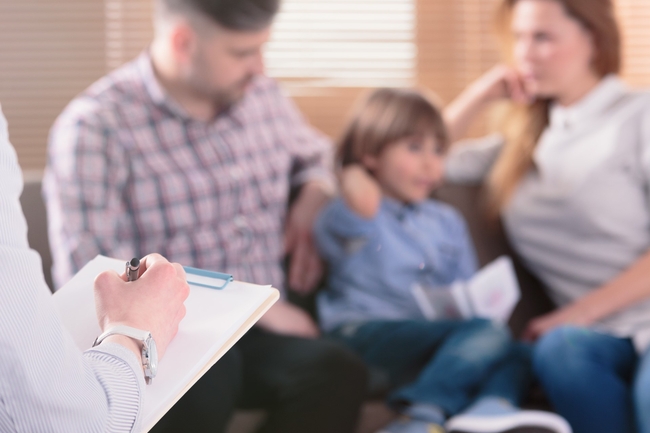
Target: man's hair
(238, 15)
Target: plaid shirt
(131, 173)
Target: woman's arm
(500, 82)
(628, 288)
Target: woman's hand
(360, 190)
(573, 314)
(629, 288)
(500, 82)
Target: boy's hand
(360, 190)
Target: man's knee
(335, 363)
(335, 357)
(210, 403)
(221, 384)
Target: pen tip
(135, 262)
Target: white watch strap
(135, 333)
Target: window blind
(634, 18)
(456, 44)
(129, 29)
(344, 43)
(51, 50)
(314, 43)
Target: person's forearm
(462, 111)
(628, 288)
(267, 320)
(121, 384)
(316, 193)
(94, 392)
(287, 319)
(313, 196)
(498, 83)
(101, 393)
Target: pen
(132, 269)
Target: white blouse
(582, 216)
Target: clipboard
(208, 279)
(215, 321)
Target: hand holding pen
(154, 302)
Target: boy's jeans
(455, 362)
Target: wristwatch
(149, 350)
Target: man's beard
(225, 98)
(237, 91)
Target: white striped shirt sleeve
(46, 383)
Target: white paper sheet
(213, 318)
(494, 291)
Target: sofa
(469, 200)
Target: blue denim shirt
(374, 263)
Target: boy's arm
(350, 217)
(360, 191)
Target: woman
(570, 177)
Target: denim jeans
(455, 361)
(596, 381)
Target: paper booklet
(215, 320)
(493, 293)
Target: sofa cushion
(34, 209)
